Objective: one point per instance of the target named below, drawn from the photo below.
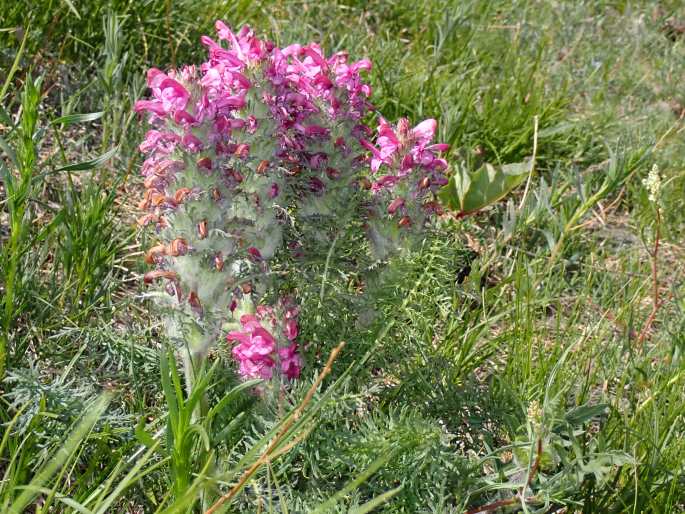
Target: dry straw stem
(265, 457)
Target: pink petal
(425, 130)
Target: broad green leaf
(467, 192)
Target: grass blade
(15, 64)
(71, 119)
(62, 456)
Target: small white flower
(535, 413)
(653, 184)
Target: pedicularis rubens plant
(245, 145)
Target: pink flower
(291, 362)
(169, 95)
(423, 132)
(254, 349)
(256, 369)
(173, 95)
(316, 131)
(387, 140)
(151, 106)
(385, 182)
(192, 143)
(257, 350)
(290, 329)
(254, 253)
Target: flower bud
(332, 173)
(205, 163)
(151, 276)
(194, 303)
(405, 221)
(254, 253)
(177, 247)
(147, 218)
(395, 204)
(242, 150)
(154, 253)
(262, 166)
(218, 262)
(202, 229)
(181, 194)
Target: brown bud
(434, 206)
(242, 150)
(405, 221)
(154, 252)
(177, 247)
(146, 201)
(397, 203)
(151, 181)
(332, 173)
(216, 194)
(202, 229)
(205, 163)
(181, 194)
(365, 183)
(246, 287)
(236, 176)
(425, 183)
(158, 199)
(263, 166)
(151, 276)
(218, 262)
(194, 302)
(147, 218)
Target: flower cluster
(407, 173)
(653, 184)
(244, 139)
(414, 165)
(267, 341)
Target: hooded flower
(259, 352)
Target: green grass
(525, 323)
